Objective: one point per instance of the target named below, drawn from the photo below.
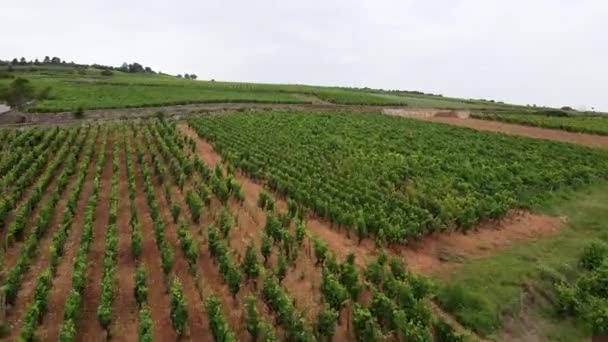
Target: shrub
(593, 255)
(78, 113)
(106, 72)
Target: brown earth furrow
(41, 260)
(198, 325)
(303, 280)
(125, 307)
(158, 299)
(62, 282)
(90, 329)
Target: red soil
(40, 263)
(158, 300)
(62, 282)
(125, 324)
(90, 329)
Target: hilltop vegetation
(132, 85)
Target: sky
(545, 52)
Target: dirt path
(527, 131)
(158, 299)
(62, 282)
(90, 329)
(41, 260)
(125, 323)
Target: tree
(193, 76)
(186, 76)
(55, 60)
(22, 61)
(250, 266)
(47, 60)
(135, 68)
(179, 76)
(19, 92)
(14, 61)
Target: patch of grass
(499, 280)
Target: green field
(87, 88)
(396, 178)
(579, 124)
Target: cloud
(545, 52)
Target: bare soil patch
(527, 131)
(442, 252)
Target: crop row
(73, 304)
(393, 178)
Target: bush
(472, 310)
(106, 72)
(593, 255)
(79, 112)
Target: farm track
(41, 260)
(158, 298)
(197, 320)
(62, 282)
(90, 328)
(589, 140)
(125, 323)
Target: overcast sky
(551, 52)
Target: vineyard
(397, 180)
(130, 232)
(211, 229)
(583, 124)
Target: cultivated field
(290, 212)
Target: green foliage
(225, 221)
(19, 92)
(217, 322)
(320, 249)
(266, 247)
(365, 326)
(392, 189)
(146, 325)
(470, 309)
(188, 244)
(179, 307)
(78, 112)
(349, 277)
(281, 267)
(250, 266)
(333, 291)
(195, 204)
(265, 201)
(594, 254)
(325, 326)
(175, 211)
(141, 288)
(578, 124)
(252, 317)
